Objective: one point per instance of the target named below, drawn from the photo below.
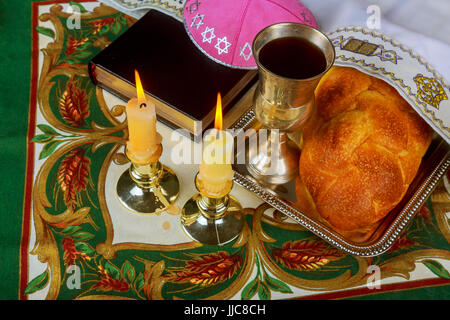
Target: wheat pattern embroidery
(73, 104)
(305, 255)
(208, 269)
(73, 176)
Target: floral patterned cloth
(76, 243)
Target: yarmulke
(224, 29)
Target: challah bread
(362, 148)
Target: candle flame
(139, 89)
(218, 123)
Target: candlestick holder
(148, 188)
(212, 219)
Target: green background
(15, 63)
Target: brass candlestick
(148, 188)
(212, 220)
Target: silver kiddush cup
(283, 105)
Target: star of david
(208, 34)
(247, 48)
(193, 7)
(197, 21)
(224, 40)
(338, 42)
(388, 55)
(306, 17)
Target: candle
(215, 171)
(141, 116)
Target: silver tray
(282, 197)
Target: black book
(181, 81)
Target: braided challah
(362, 148)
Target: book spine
(92, 72)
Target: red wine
(293, 58)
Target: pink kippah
(224, 29)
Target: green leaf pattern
(262, 284)
(37, 283)
(437, 268)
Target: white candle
(215, 171)
(141, 116)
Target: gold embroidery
(359, 46)
(430, 90)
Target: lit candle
(141, 116)
(215, 172)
